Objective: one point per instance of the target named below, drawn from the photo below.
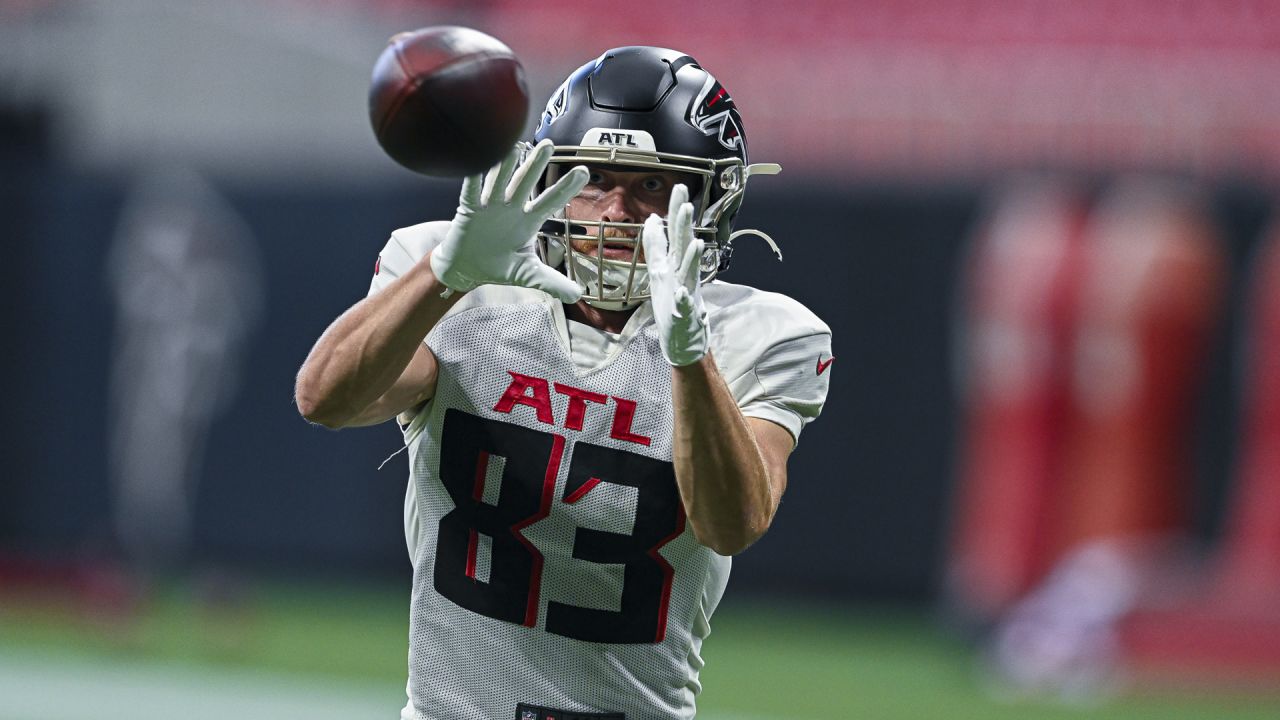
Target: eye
(595, 178)
(654, 184)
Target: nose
(615, 208)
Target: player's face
(627, 196)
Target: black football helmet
(646, 108)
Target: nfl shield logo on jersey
(528, 715)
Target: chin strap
(747, 173)
(772, 245)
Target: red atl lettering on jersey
(540, 400)
(578, 399)
(623, 414)
(536, 393)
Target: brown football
(447, 101)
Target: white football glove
(673, 281)
(490, 241)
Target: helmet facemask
(637, 109)
(626, 281)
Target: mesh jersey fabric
(646, 595)
(588, 592)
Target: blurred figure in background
(188, 291)
(1227, 628)
(1251, 556)
(1022, 280)
(1073, 497)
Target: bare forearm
(723, 478)
(366, 349)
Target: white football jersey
(552, 562)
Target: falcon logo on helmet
(645, 108)
(714, 113)
(555, 106)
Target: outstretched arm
(731, 470)
(371, 363)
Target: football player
(595, 425)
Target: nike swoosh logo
(822, 366)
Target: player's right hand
(491, 239)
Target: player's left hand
(672, 257)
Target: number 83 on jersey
(530, 463)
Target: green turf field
(312, 651)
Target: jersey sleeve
(773, 352)
(789, 382)
(403, 250)
(406, 247)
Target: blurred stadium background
(1046, 482)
